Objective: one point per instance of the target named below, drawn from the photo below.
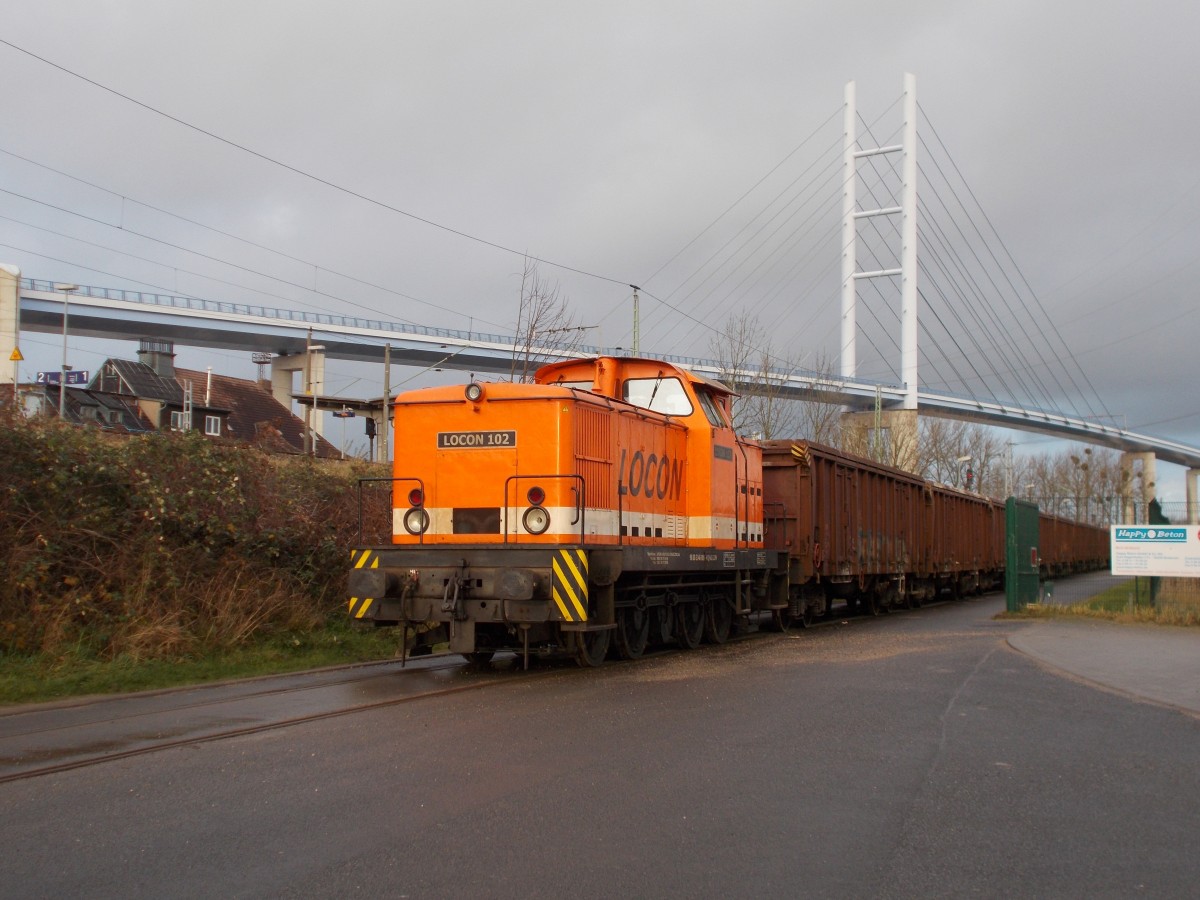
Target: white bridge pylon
(907, 253)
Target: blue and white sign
(74, 376)
(1170, 550)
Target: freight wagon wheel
(479, 657)
(718, 619)
(633, 631)
(591, 647)
(689, 625)
(781, 619)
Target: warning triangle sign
(16, 356)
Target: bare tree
(748, 362)
(736, 351)
(544, 323)
(1084, 483)
(820, 420)
(949, 449)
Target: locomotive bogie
(488, 599)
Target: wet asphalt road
(75, 732)
(914, 755)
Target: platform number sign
(74, 376)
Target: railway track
(50, 739)
(46, 740)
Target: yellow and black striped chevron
(570, 584)
(362, 559)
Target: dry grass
(1177, 603)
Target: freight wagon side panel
(840, 515)
(789, 524)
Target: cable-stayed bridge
(130, 315)
(989, 351)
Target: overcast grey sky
(604, 137)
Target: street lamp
(67, 290)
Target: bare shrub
(163, 545)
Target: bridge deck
(131, 315)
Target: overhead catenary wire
(362, 341)
(318, 179)
(350, 192)
(211, 258)
(318, 267)
(753, 267)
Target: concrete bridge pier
(311, 366)
(10, 322)
(889, 436)
(1149, 484)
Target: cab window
(712, 411)
(664, 395)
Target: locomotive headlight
(474, 392)
(416, 520)
(536, 519)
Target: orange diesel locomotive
(609, 503)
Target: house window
(176, 420)
(212, 425)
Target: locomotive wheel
(689, 625)
(590, 647)
(718, 620)
(662, 622)
(633, 632)
(479, 657)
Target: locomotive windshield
(664, 395)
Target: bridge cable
(1025, 281)
(999, 293)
